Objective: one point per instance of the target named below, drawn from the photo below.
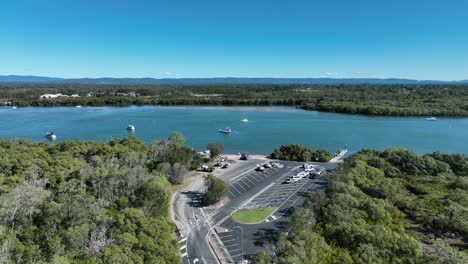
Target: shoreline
(236, 107)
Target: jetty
(339, 157)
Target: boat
(14, 107)
(51, 135)
(131, 128)
(431, 118)
(245, 120)
(78, 106)
(226, 130)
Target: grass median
(253, 216)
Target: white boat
(226, 130)
(78, 106)
(14, 107)
(431, 118)
(131, 128)
(51, 135)
(245, 120)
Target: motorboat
(226, 130)
(78, 106)
(14, 107)
(431, 118)
(51, 135)
(131, 128)
(245, 120)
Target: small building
(51, 96)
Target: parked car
(292, 180)
(260, 168)
(226, 165)
(267, 165)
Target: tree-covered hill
(383, 207)
(376, 99)
(89, 202)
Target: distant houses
(52, 96)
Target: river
(268, 127)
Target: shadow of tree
(196, 198)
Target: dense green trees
(389, 100)
(216, 190)
(88, 202)
(297, 152)
(382, 207)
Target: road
(204, 231)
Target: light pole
(242, 242)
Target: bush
(216, 190)
(297, 152)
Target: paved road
(248, 188)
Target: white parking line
(241, 186)
(231, 245)
(183, 247)
(223, 236)
(255, 178)
(244, 183)
(236, 188)
(232, 194)
(229, 240)
(247, 178)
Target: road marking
(184, 255)
(195, 260)
(242, 174)
(183, 240)
(247, 178)
(183, 247)
(242, 181)
(241, 186)
(236, 188)
(231, 245)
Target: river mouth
(267, 127)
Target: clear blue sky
(421, 39)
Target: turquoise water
(268, 127)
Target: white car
(260, 168)
(292, 180)
(267, 165)
(278, 165)
(302, 174)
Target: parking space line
(231, 245)
(255, 178)
(232, 194)
(247, 178)
(223, 236)
(241, 186)
(242, 183)
(236, 189)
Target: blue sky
(421, 39)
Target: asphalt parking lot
(238, 186)
(265, 189)
(230, 245)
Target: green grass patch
(254, 215)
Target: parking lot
(244, 183)
(230, 244)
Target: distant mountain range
(227, 80)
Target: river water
(268, 127)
